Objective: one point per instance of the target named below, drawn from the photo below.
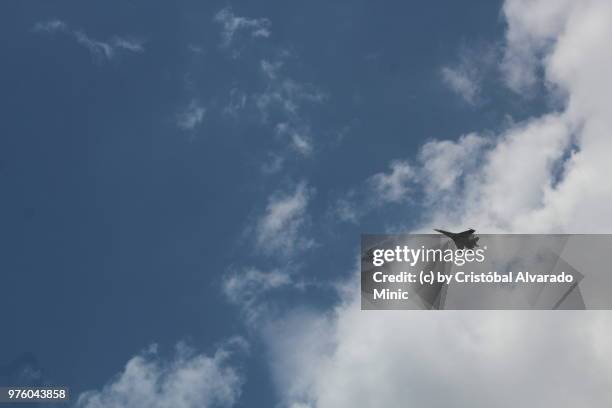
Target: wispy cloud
(400, 184)
(281, 229)
(97, 48)
(271, 68)
(50, 26)
(248, 289)
(237, 102)
(130, 44)
(467, 76)
(299, 138)
(187, 380)
(102, 50)
(285, 95)
(233, 24)
(462, 81)
(251, 283)
(273, 164)
(190, 116)
(283, 101)
(347, 209)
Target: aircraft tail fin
(447, 233)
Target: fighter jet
(462, 240)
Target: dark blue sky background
(116, 226)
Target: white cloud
(283, 101)
(280, 230)
(462, 82)
(99, 49)
(274, 164)
(50, 26)
(96, 48)
(466, 77)
(237, 102)
(547, 174)
(532, 31)
(399, 185)
(480, 359)
(191, 116)
(286, 96)
(512, 179)
(189, 380)
(395, 186)
(346, 209)
(300, 139)
(271, 68)
(301, 143)
(251, 283)
(249, 289)
(442, 163)
(233, 24)
(130, 44)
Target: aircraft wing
(466, 234)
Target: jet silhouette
(462, 240)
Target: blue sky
(150, 151)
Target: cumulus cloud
(546, 174)
(233, 24)
(442, 163)
(533, 30)
(103, 50)
(190, 116)
(394, 186)
(502, 191)
(437, 176)
(188, 380)
(280, 230)
(479, 359)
